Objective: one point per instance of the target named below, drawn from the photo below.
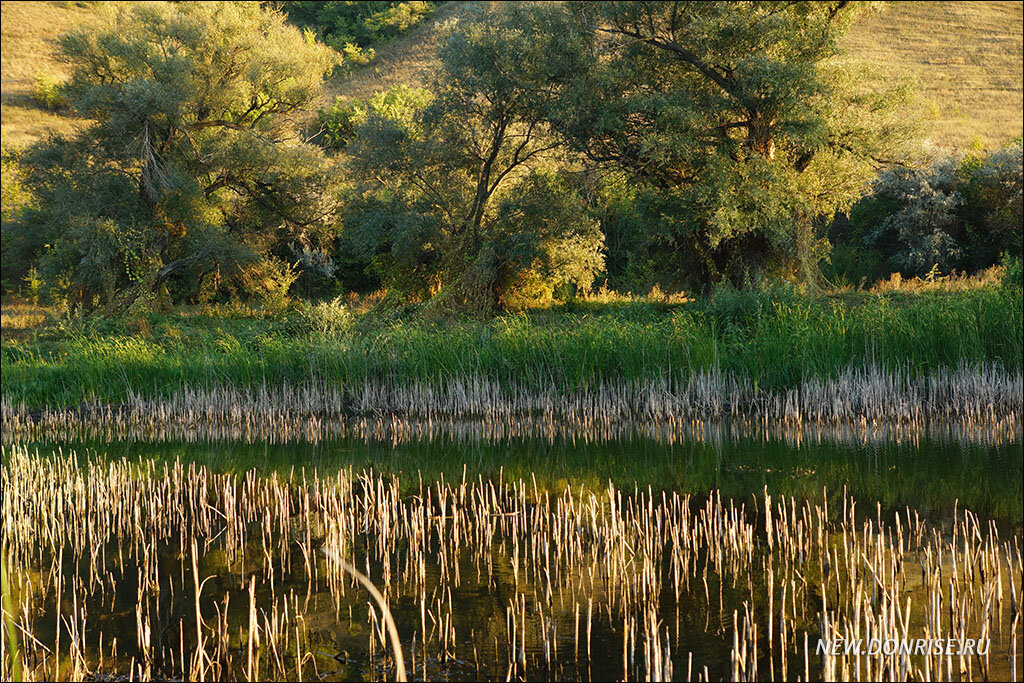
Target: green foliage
(992, 206)
(775, 337)
(451, 192)
(1013, 272)
(731, 306)
(186, 169)
(353, 27)
(955, 214)
(17, 247)
(48, 92)
(338, 123)
(327, 318)
(544, 238)
(738, 123)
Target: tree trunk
(807, 264)
(175, 266)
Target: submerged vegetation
(219, 577)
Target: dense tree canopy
(190, 160)
(646, 143)
(455, 192)
(737, 123)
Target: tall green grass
(774, 337)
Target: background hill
(967, 55)
(27, 50)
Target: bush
(122, 206)
(338, 122)
(48, 92)
(328, 318)
(956, 214)
(925, 229)
(1013, 272)
(853, 264)
(353, 26)
(316, 270)
(991, 189)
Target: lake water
(487, 600)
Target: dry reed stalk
(790, 567)
(364, 581)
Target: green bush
(1013, 272)
(347, 25)
(186, 169)
(338, 122)
(328, 318)
(956, 214)
(48, 92)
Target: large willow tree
(188, 167)
(461, 196)
(739, 126)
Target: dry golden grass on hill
(968, 56)
(28, 32)
(406, 60)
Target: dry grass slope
(28, 32)
(968, 57)
(406, 60)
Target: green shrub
(1013, 272)
(48, 92)
(338, 122)
(354, 26)
(956, 214)
(328, 318)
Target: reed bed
(970, 397)
(172, 570)
(162, 422)
(771, 342)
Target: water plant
(570, 583)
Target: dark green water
(931, 475)
(927, 474)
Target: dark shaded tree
(188, 165)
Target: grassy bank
(774, 339)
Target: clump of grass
(47, 92)
(328, 318)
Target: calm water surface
(932, 476)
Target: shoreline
(983, 397)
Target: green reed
(774, 338)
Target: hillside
(28, 32)
(968, 56)
(405, 60)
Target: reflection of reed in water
(863, 404)
(159, 424)
(560, 568)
